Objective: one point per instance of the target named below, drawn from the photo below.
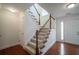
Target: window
(62, 30)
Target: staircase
(42, 39)
(38, 41)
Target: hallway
(63, 49)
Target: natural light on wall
(12, 9)
(62, 30)
(44, 13)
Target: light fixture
(12, 9)
(70, 5)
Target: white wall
(20, 27)
(9, 28)
(71, 29)
(29, 28)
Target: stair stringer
(50, 41)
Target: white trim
(10, 45)
(71, 43)
(68, 42)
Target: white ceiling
(56, 9)
(60, 10)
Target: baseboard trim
(68, 43)
(7, 46)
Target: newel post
(50, 21)
(39, 19)
(37, 49)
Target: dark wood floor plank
(68, 49)
(15, 50)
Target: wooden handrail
(37, 33)
(52, 17)
(36, 10)
(47, 22)
(37, 13)
(43, 25)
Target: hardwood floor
(57, 49)
(63, 49)
(15, 50)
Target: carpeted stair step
(40, 41)
(33, 45)
(41, 37)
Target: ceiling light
(12, 9)
(71, 5)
